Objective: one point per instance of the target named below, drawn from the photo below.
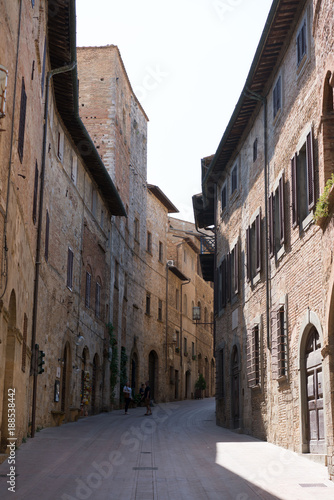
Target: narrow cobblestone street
(177, 453)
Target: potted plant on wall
(200, 386)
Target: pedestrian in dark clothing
(147, 397)
(141, 392)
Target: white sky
(187, 61)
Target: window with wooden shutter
(223, 276)
(258, 241)
(310, 171)
(228, 277)
(88, 289)
(303, 182)
(34, 204)
(248, 254)
(301, 42)
(277, 96)
(281, 210)
(254, 248)
(294, 205)
(47, 234)
(98, 299)
(23, 109)
(234, 266)
(277, 219)
(70, 268)
(271, 224)
(253, 356)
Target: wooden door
(315, 401)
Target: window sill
(280, 253)
(235, 195)
(307, 222)
(256, 279)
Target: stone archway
(312, 414)
(9, 368)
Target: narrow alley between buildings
(177, 453)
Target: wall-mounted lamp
(61, 361)
(76, 369)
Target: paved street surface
(177, 453)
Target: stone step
(315, 457)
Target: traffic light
(40, 362)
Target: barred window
(279, 343)
(253, 356)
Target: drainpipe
(10, 156)
(252, 95)
(33, 371)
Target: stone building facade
(81, 279)
(273, 264)
(140, 243)
(57, 201)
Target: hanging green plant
(322, 206)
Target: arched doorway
(315, 422)
(235, 386)
(9, 369)
(153, 373)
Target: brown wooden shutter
(258, 241)
(23, 109)
(47, 232)
(236, 268)
(281, 210)
(271, 225)
(224, 283)
(34, 205)
(228, 277)
(310, 171)
(248, 254)
(294, 198)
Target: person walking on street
(127, 396)
(147, 396)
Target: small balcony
(207, 257)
